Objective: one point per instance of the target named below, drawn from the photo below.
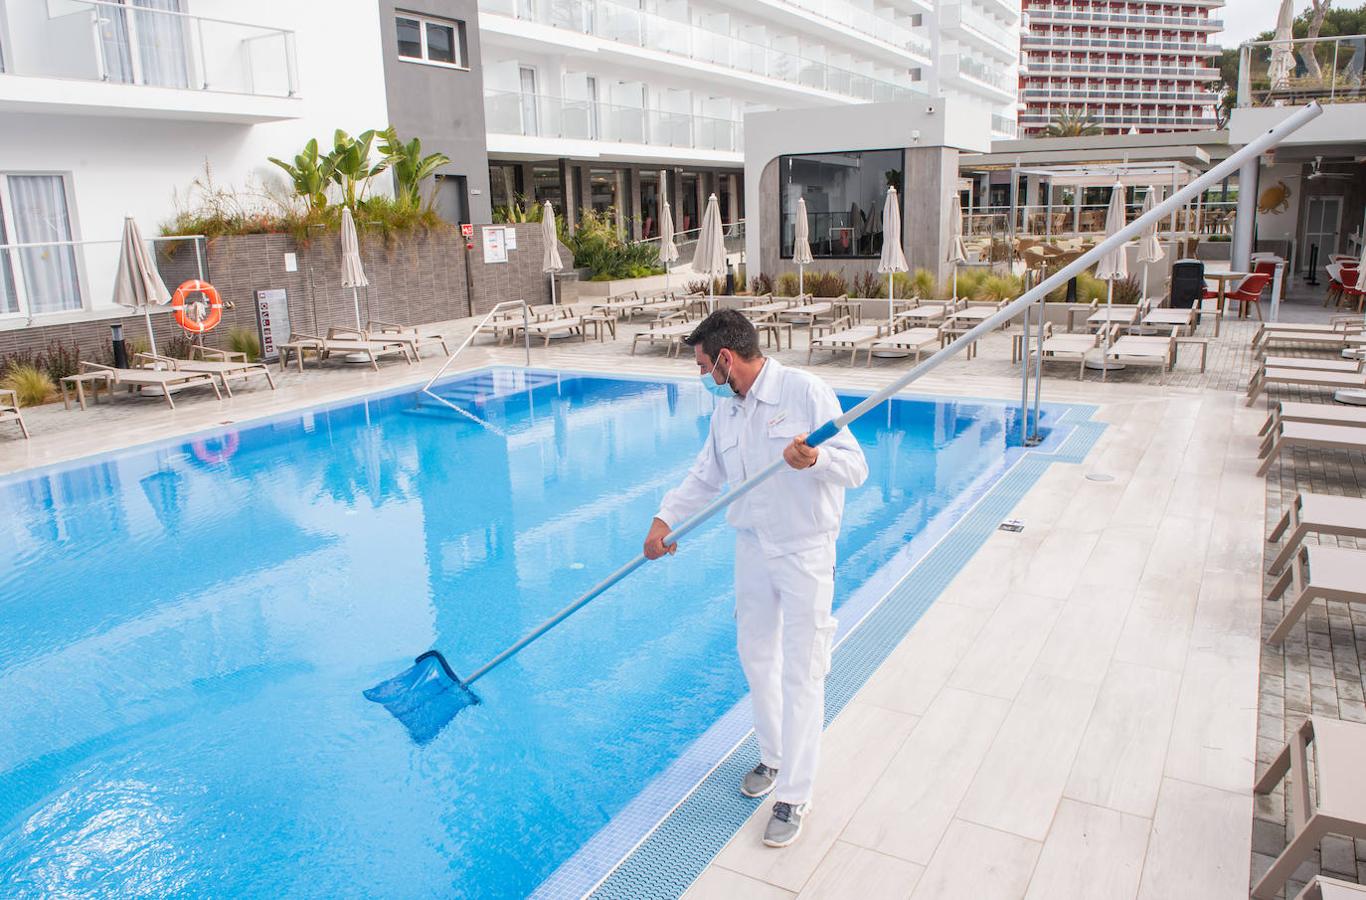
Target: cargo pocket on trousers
(822, 648)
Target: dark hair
(726, 329)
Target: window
(844, 195)
(437, 41)
(43, 278)
(530, 110)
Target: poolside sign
(272, 313)
(495, 247)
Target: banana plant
(410, 167)
(309, 174)
(351, 166)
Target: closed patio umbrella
(1112, 267)
(138, 285)
(353, 273)
(957, 252)
(1149, 247)
(550, 263)
(668, 250)
(892, 259)
(801, 245)
(1283, 51)
(710, 258)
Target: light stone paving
(1078, 714)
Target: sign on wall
(510, 238)
(495, 247)
(272, 316)
(466, 230)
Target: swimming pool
(185, 631)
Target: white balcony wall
(123, 160)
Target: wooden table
(78, 381)
(1223, 278)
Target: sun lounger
(1313, 364)
(807, 313)
(1062, 346)
(9, 409)
(165, 379)
(1319, 573)
(669, 331)
(930, 312)
(1321, 887)
(1178, 321)
(339, 341)
(414, 337)
(564, 326)
(223, 369)
(1134, 348)
(1289, 435)
(1339, 335)
(912, 340)
(1338, 785)
(1320, 514)
(1315, 413)
(1305, 377)
(840, 335)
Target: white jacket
(794, 510)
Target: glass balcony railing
(1329, 70)
(1034, 117)
(866, 22)
(541, 115)
(1194, 71)
(1003, 126)
(637, 28)
(1065, 220)
(1071, 40)
(983, 25)
(1096, 94)
(971, 68)
(1064, 14)
(135, 44)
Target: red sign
(467, 230)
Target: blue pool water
(185, 632)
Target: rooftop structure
(1130, 66)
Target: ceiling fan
(1316, 171)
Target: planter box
(1215, 250)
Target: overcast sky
(1245, 19)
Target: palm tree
(1070, 123)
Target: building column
(733, 198)
(1245, 223)
(568, 193)
(930, 184)
(635, 224)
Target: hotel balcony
(1004, 127)
(1275, 77)
(1034, 118)
(976, 77)
(96, 57)
(1082, 42)
(1064, 15)
(539, 125)
(865, 24)
(965, 22)
(1069, 95)
(584, 28)
(1037, 66)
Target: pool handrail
(526, 334)
(1037, 294)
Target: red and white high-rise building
(1145, 65)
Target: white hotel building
(587, 100)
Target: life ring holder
(182, 315)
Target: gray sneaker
(758, 782)
(786, 824)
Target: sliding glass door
(36, 208)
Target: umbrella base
(362, 359)
(891, 354)
(1354, 397)
(1099, 366)
(1354, 353)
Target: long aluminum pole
(1024, 378)
(1268, 139)
(1038, 374)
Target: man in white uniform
(784, 546)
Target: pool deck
(1076, 716)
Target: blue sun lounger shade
(425, 697)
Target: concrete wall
(441, 105)
(415, 279)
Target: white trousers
(784, 633)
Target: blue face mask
(722, 390)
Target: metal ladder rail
(526, 334)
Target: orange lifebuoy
(182, 315)
(227, 446)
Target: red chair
(1351, 289)
(1249, 291)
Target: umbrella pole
(955, 282)
(552, 289)
(891, 304)
(355, 301)
(801, 281)
(1109, 298)
(151, 337)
